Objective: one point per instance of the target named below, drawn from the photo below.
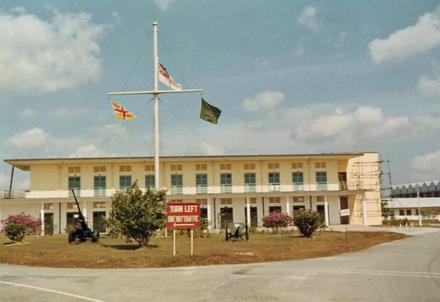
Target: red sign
(183, 215)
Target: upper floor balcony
(199, 189)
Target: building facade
(406, 201)
(229, 188)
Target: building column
(364, 208)
(208, 209)
(42, 218)
(288, 209)
(85, 210)
(326, 210)
(1, 225)
(248, 212)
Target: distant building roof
(428, 202)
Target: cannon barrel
(77, 204)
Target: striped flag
(165, 78)
(121, 113)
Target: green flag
(208, 112)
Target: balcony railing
(98, 192)
(202, 189)
(12, 195)
(77, 192)
(298, 187)
(250, 188)
(321, 187)
(177, 189)
(226, 188)
(274, 187)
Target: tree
(15, 231)
(137, 215)
(307, 221)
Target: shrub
(276, 220)
(32, 225)
(137, 215)
(15, 231)
(307, 221)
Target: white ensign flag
(165, 78)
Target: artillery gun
(82, 231)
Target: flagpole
(156, 110)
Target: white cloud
(412, 40)
(428, 87)
(364, 125)
(164, 4)
(34, 138)
(307, 18)
(426, 166)
(90, 151)
(263, 100)
(18, 10)
(46, 56)
(26, 113)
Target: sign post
(183, 215)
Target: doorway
(254, 216)
(226, 216)
(343, 200)
(48, 224)
(98, 221)
(321, 211)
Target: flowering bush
(15, 231)
(307, 221)
(33, 225)
(276, 219)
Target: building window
(124, 182)
(297, 166)
(274, 181)
(75, 184)
(201, 167)
(297, 208)
(298, 199)
(74, 169)
(99, 185)
(98, 169)
(149, 181)
(249, 166)
(149, 168)
(225, 200)
(320, 199)
(275, 209)
(408, 212)
(250, 182)
(125, 168)
(253, 200)
(298, 181)
(202, 183)
(176, 168)
(48, 206)
(99, 205)
(226, 182)
(203, 202)
(401, 212)
(274, 199)
(320, 165)
(225, 166)
(321, 180)
(272, 166)
(176, 183)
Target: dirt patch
(54, 251)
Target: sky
(291, 77)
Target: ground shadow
(128, 247)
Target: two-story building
(238, 188)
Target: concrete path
(404, 270)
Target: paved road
(404, 270)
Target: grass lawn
(54, 251)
